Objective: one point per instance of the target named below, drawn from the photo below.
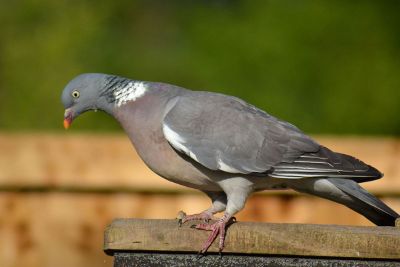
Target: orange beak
(67, 123)
(67, 118)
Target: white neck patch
(130, 92)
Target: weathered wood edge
(257, 238)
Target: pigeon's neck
(142, 118)
(118, 91)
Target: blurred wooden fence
(59, 191)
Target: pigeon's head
(82, 94)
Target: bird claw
(217, 228)
(181, 215)
(183, 218)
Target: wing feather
(227, 134)
(326, 163)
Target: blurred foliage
(327, 67)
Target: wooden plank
(65, 229)
(257, 238)
(108, 161)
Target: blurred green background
(327, 67)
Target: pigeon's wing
(225, 133)
(326, 164)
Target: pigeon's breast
(161, 158)
(144, 128)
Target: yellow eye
(75, 94)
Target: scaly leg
(237, 191)
(216, 228)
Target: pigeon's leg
(216, 228)
(218, 204)
(237, 191)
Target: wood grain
(257, 238)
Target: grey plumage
(374, 209)
(223, 146)
(224, 130)
(349, 193)
(326, 163)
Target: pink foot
(216, 228)
(183, 218)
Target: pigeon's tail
(366, 204)
(350, 194)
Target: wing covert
(225, 133)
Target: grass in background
(329, 67)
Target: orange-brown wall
(58, 192)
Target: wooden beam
(257, 238)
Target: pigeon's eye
(75, 94)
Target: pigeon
(224, 147)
